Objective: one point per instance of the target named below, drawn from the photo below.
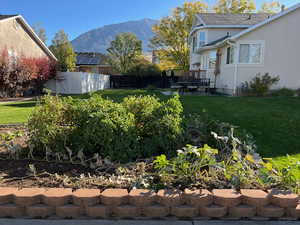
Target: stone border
(228, 204)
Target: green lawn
(17, 112)
(274, 122)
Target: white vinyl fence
(78, 83)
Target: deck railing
(194, 75)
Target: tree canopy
(271, 7)
(172, 33)
(63, 50)
(235, 6)
(40, 31)
(124, 51)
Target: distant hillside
(98, 40)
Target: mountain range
(98, 40)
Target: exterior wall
(280, 54)
(281, 51)
(14, 37)
(212, 34)
(216, 33)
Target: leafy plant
(283, 92)
(189, 166)
(200, 129)
(143, 67)
(260, 84)
(138, 127)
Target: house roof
(252, 28)
(30, 31)
(208, 19)
(2, 17)
(267, 21)
(90, 58)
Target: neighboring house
(92, 62)
(236, 47)
(19, 39)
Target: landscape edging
(64, 203)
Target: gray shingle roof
(233, 19)
(2, 17)
(90, 58)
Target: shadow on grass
(21, 105)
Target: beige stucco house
(236, 47)
(19, 39)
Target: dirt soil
(17, 140)
(17, 173)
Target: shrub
(158, 124)
(138, 127)
(283, 92)
(200, 129)
(200, 167)
(144, 68)
(260, 85)
(19, 74)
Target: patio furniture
(203, 83)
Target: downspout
(233, 44)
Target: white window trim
(262, 53)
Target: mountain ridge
(98, 39)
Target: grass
(15, 112)
(273, 121)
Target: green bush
(200, 129)
(144, 68)
(260, 85)
(283, 92)
(138, 127)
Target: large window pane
(230, 55)
(244, 54)
(202, 40)
(255, 53)
(212, 59)
(194, 43)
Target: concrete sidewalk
(139, 222)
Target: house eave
(196, 28)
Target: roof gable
(265, 22)
(30, 32)
(232, 19)
(2, 17)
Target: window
(194, 43)
(230, 55)
(202, 38)
(250, 53)
(212, 59)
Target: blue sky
(78, 16)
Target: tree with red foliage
(20, 74)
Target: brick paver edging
(144, 204)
